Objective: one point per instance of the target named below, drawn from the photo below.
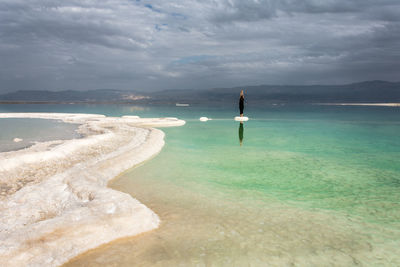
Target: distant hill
(368, 92)
(101, 95)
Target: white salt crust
(54, 201)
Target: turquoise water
(351, 167)
(322, 181)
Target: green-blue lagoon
(298, 185)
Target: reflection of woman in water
(241, 103)
(241, 129)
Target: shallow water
(309, 186)
(33, 130)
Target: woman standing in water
(241, 103)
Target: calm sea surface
(303, 185)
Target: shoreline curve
(55, 203)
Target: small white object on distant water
(204, 119)
(238, 118)
(181, 105)
(17, 140)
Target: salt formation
(54, 199)
(17, 140)
(204, 119)
(237, 118)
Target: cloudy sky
(188, 44)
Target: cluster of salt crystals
(62, 206)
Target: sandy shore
(362, 104)
(54, 199)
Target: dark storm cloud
(195, 44)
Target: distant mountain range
(363, 92)
(101, 95)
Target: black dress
(241, 104)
